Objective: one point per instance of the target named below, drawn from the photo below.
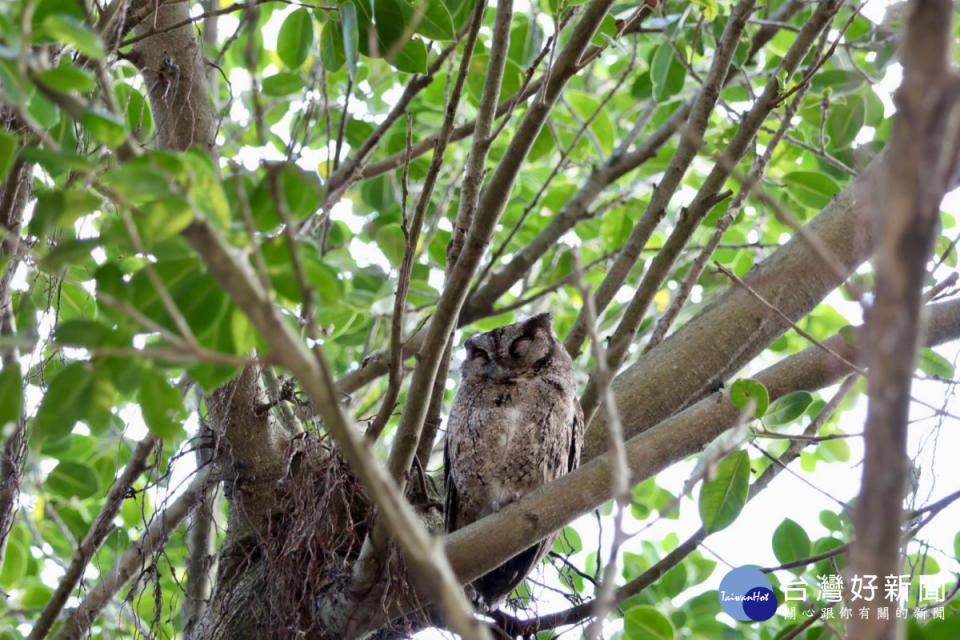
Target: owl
(516, 424)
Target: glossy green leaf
(791, 542)
(845, 120)
(282, 84)
(436, 22)
(67, 77)
(72, 480)
(332, 54)
(392, 17)
(722, 497)
(160, 219)
(788, 408)
(351, 36)
(745, 391)
(69, 30)
(834, 450)
(831, 520)
(814, 190)
(646, 623)
(666, 72)
(67, 400)
(934, 365)
(412, 58)
(295, 38)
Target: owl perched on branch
(515, 425)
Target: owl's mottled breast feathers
(515, 424)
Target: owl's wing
(452, 503)
(576, 436)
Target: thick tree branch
(735, 328)
(688, 546)
(490, 541)
(916, 181)
(312, 371)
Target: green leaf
(934, 365)
(82, 332)
(205, 189)
(708, 8)
(646, 623)
(791, 542)
(56, 162)
(11, 397)
(161, 404)
(392, 18)
(831, 520)
(332, 54)
(666, 72)
(436, 22)
(743, 391)
(811, 189)
(61, 207)
(391, 242)
(15, 562)
(72, 479)
(601, 127)
(845, 120)
(69, 30)
(788, 408)
(67, 400)
(137, 110)
(159, 220)
(834, 450)
(8, 153)
(412, 58)
(104, 126)
(295, 38)
(72, 251)
(67, 77)
(568, 542)
(282, 84)
(723, 497)
(351, 36)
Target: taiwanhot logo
(746, 594)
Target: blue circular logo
(746, 594)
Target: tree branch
(490, 541)
(916, 181)
(161, 528)
(102, 527)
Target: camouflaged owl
(515, 425)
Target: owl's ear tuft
(541, 321)
(474, 350)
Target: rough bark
(731, 331)
(923, 157)
(14, 193)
